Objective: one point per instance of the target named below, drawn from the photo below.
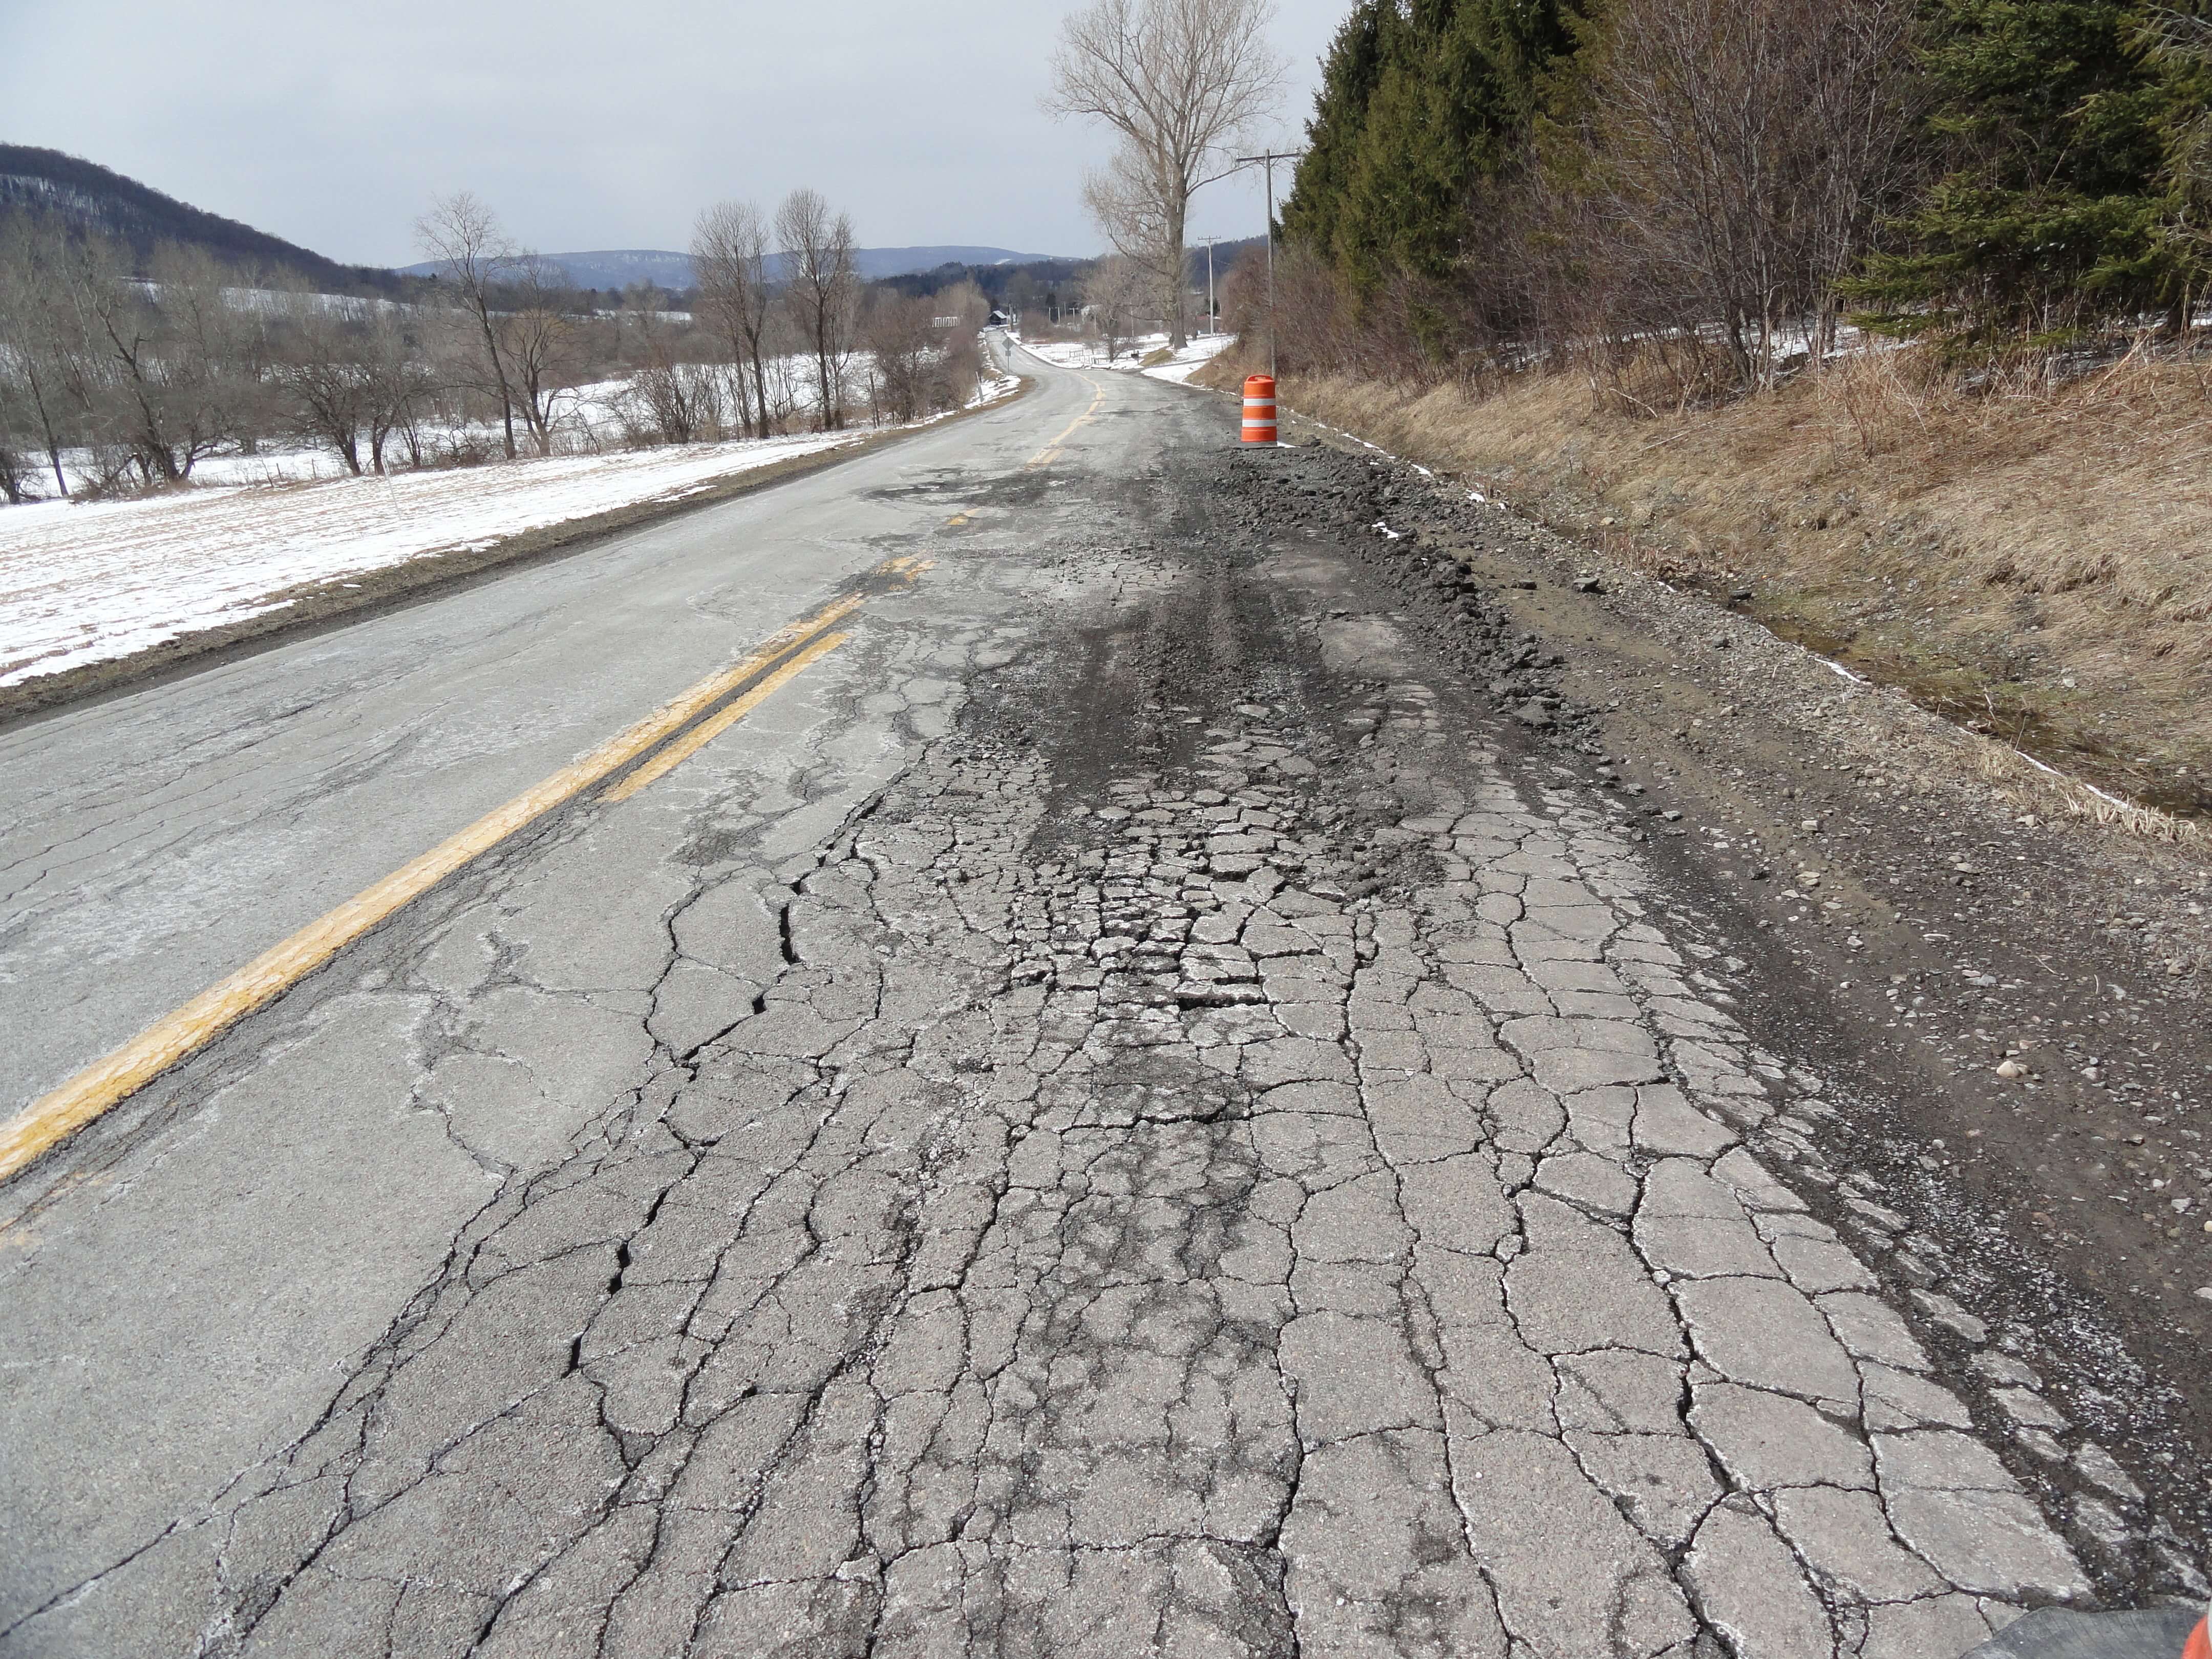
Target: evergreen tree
(1349, 73)
(2047, 138)
(2179, 45)
(1418, 104)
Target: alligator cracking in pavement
(1225, 1159)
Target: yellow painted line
(708, 730)
(55, 1116)
(1052, 449)
(956, 521)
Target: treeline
(1705, 189)
(1023, 287)
(120, 374)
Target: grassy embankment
(2034, 563)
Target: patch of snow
(1130, 358)
(1202, 350)
(1063, 354)
(85, 582)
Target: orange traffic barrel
(1259, 409)
(2200, 1642)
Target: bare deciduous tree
(820, 286)
(534, 335)
(403, 377)
(349, 366)
(1742, 149)
(463, 235)
(174, 363)
(901, 343)
(211, 353)
(1117, 294)
(43, 361)
(1125, 200)
(729, 264)
(1180, 81)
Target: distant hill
(617, 268)
(1225, 254)
(34, 180)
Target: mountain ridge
(617, 268)
(34, 180)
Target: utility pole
(1210, 321)
(1267, 158)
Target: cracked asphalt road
(1122, 1114)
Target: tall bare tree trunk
(820, 284)
(1180, 80)
(461, 233)
(729, 261)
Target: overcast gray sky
(597, 124)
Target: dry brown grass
(2032, 789)
(2035, 561)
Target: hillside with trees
(38, 183)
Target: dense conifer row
(1496, 177)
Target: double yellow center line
(661, 742)
(1051, 451)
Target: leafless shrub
(669, 398)
(1731, 160)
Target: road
(1116, 1112)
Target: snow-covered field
(87, 582)
(1085, 353)
(1066, 354)
(83, 582)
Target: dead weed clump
(2037, 790)
(2027, 551)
